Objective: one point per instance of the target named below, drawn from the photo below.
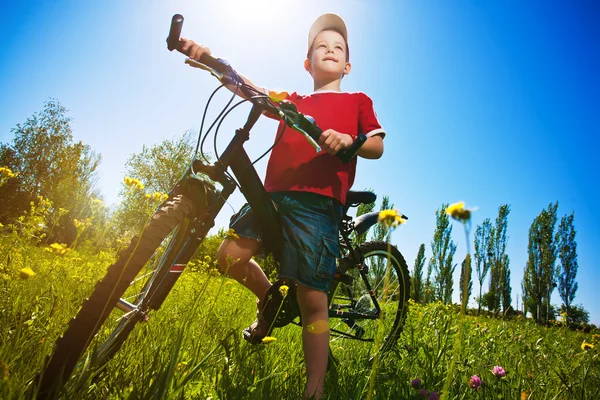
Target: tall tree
(483, 242)
(567, 251)
(51, 165)
(158, 167)
(499, 260)
(441, 261)
(505, 288)
(466, 283)
(539, 277)
(416, 282)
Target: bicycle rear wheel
(120, 279)
(387, 274)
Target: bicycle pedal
(343, 278)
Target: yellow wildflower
(98, 202)
(7, 172)
(26, 273)
(157, 196)
(459, 212)
(133, 182)
(230, 234)
(57, 248)
(585, 345)
(390, 218)
(268, 339)
(595, 338)
(283, 289)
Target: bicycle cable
(217, 117)
(202, 125)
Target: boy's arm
(372, 148)
(333, 141)
(196, 50)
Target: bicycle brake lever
(227, 78)
(312, 141)
(196, 64)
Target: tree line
(551, 263)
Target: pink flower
(498, 371)
(423, 392)
(416, 383)
(475, 382)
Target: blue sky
(487, 102)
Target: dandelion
(6, 172)
(230, 234)
(283, 289)
(498, 371)
(133, 183)
(26, 273)
(416, 383)
(159, 197)
(268, 339)
(475, 382)
(459, 212)
(57, 248)
(585, 345)
(391, 218)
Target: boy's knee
(234, 252)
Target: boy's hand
(333, 141)
(193, 49)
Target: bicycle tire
(157, 270)
(95, 309)
(354, 296)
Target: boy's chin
(327, 75)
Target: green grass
(192, 347)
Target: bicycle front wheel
(386, 272)
(130, 277)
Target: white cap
(325, 22)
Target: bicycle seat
(360, 197)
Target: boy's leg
(315, 338)
(235, 259)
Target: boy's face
(328, 57)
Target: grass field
(192, 347)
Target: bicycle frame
(210, 202)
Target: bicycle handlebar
(286, 110)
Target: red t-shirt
(296, 166)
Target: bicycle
(144, 274)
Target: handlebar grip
(174, 32)
(346, 155)
(173, 43)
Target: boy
(309, 189)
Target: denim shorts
(309, 224)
